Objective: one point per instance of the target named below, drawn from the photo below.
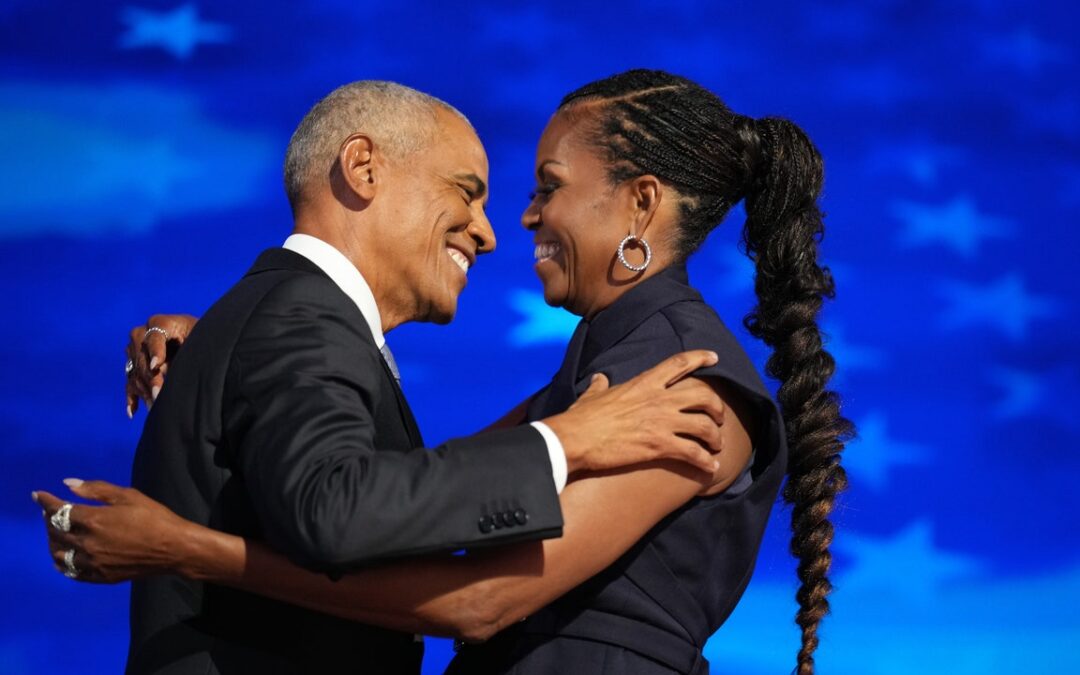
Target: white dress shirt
(343, 273)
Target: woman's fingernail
(131, 414)
(153, 363)
(73, 482)
(33, 495)
(154, 392)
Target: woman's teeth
(547, 250)
(459, 257)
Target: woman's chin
(554, 293)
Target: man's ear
(360, 166)
(646, 193)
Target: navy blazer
(653, 609)
(280, 421)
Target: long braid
(783, 227)
(651, 122)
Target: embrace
(285, 515)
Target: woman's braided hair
(652, 122)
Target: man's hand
(150, 349)
(130, 536)
(660, 414)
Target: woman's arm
(515, 417)
(472, 596)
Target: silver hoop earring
(622, 253)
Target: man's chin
(442, 315)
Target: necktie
(388, 356)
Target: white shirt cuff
(556, 453)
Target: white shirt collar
(343, 273)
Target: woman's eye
(543, 190)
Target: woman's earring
(640, 241)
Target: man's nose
(482, 233)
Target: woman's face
(578, 220)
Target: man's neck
(383, 289)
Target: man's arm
(305, 383)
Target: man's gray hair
(399, 119)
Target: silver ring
(69, 563)
(128, 367)
(643, 244)
(155, 329)
(61, 520)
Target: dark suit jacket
(280, 421)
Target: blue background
(141, 148)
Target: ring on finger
(129, 367)
(70, 571)
(61, 520)
(155, 329)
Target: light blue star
(1053, 395)
(957, 225)
(178, 32)
(906, 564)
(542, 323)
(872, 454)
(1004, 304)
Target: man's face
(436, 225)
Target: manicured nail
(154, 392)
(73, 482)
(33, 495)
(714, 357)
(153, 363)
(130, 412)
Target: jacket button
(508, 518)
(521, 516)
(487, 524)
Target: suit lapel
(280, 258)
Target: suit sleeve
(304, 378)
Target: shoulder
(304, 310)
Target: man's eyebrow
(475, 184)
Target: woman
(633, 172)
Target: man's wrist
(556, 454)
(570, 442)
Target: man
(283, 419)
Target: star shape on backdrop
(907, 565)
(179, 31)
(1023, 50)
(873, 453)
(957, 225)
(1052, 394)
(541, 323)
(1005, 305)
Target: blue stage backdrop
(141, 149)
